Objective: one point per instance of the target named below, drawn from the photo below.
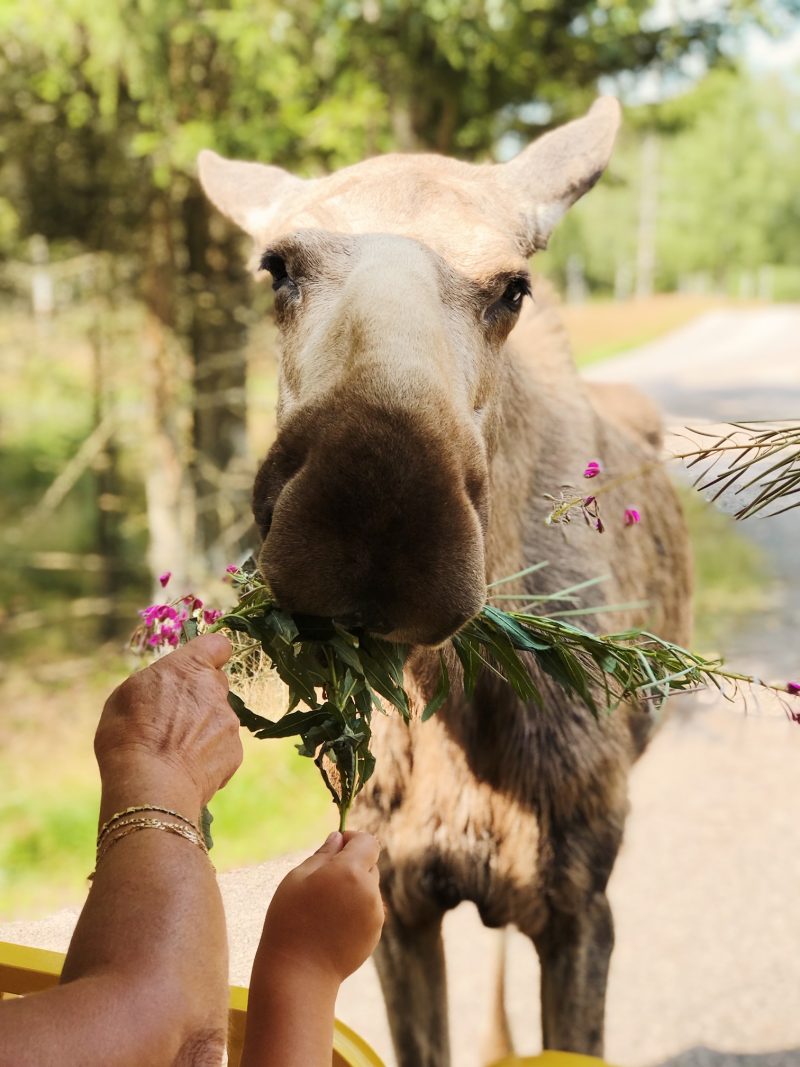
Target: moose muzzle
(375, 515)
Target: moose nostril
(263, 516)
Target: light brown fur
(421, 422)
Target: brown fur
(420, 425)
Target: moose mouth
(377, 522)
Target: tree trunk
(168, 489)
(219, 294)
(648, 214)
(106, 482)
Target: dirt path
(706, 893)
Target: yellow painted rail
(26, 970)
(30, 970)
(550, 1058)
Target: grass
(732, 575)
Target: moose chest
(493, 803)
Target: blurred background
(137, 364)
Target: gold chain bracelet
(109, 823)
(118, 828)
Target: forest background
(137, 356)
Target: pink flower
(164, 578)
(632, 517)
(211, 615)
(593, 468)
(793, 688)
(154, 613)
(232, 569)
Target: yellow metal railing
(30, 970)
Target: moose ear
(556, 170)
(248, 193)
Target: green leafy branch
(340, 676)
(764, 457)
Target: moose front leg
(574, 952)
(411, 968)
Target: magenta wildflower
(632, 517)
(593, 468)
(163, 624)
(793, 688)
(164, 578)
(232, 569)
(155, 612)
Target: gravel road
(706, 892)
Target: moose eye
(516, 291)
(276, 265)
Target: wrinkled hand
(327, 913)
(173, 720)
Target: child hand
(327, 914)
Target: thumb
(332, 844)
(212, 650)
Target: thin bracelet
(142, 807)
(152, 824)
(149, 824)
(110, 834)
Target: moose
(426, 409)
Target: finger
(212, 650)
(363, 848)
(332, 844)
(223, 680)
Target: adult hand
(170, 725)
(327, 914)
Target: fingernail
(334, 835)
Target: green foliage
(313, 655)
(758, 459)
(726, 173)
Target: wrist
(290, 1019)
(282, 977)
(129, 779)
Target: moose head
(397, 282)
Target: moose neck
(544, 427)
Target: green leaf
(518, 635)
(467, 652)
(206, 819)
(441, 692)
(383, 668)
(346, 653)
(294, 723)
